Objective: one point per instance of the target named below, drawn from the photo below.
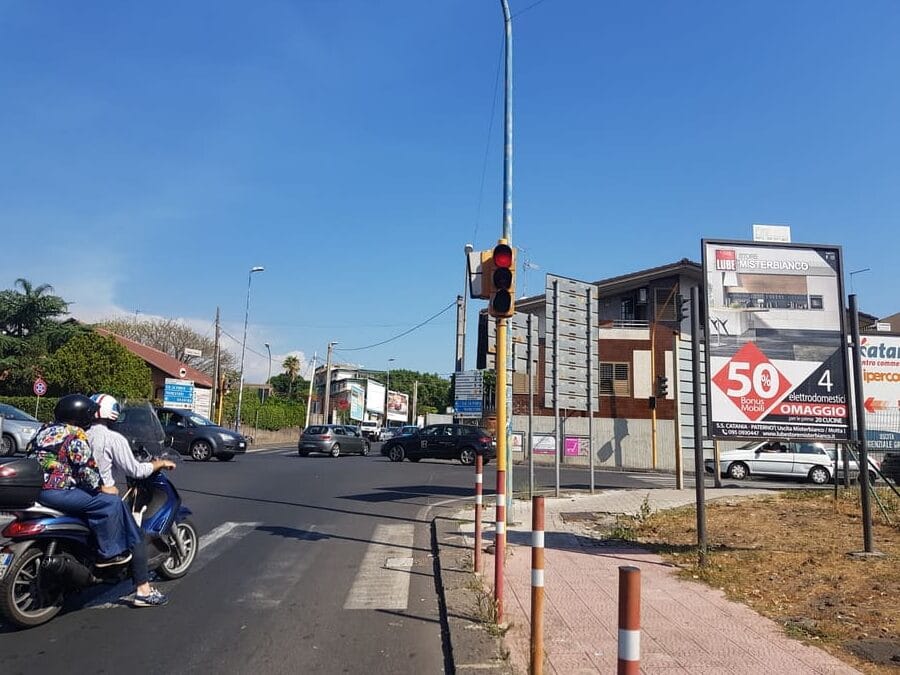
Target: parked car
(18, 428)
(782, 459)
(442, 441)
(192, 434)
(332, 439)
(370, 430)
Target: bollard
(479, 481)
(629, 621)
(537, 585)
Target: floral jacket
(65, 456)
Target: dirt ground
(789, 557)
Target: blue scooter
(52, 555)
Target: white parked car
(783, 459)
(370, 430)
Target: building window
(815, 302)
(627, 309)
(615, 379)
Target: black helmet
(75, 409)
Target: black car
(194, 435)
(442, 441)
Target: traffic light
(680, 307)
(662, 386)
(486, 267)
(502, 281)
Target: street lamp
(386, 390)
(237, 419)
(864, 269)
(269, 350)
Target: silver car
(18, 429)
(781, 459)
(332, 439)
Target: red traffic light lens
(502, 256)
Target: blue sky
(154, 152)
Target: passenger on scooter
(72, 480)
(116, 463)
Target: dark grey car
(332, 439)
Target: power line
(397, 337)
(249, 349)
(522, 11)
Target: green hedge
(26, 404)
(274, 414)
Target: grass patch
(787, 556)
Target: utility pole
(502, 325)
(215, 392)
(312, 379)
(327, 403)
(461, 317)
(415, 405)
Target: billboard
(357, 402)
(774, 326)
(880, 357)
(374, 397)
(397, 407)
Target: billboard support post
(531, 357)
(861, 430)
(698, 427)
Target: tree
(27, 311)
(283, 387)
(91, 363)
(291, 366)
(172, 336)
(434, 390)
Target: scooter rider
(72, 480)
(116, 463)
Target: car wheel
(819, 475)
(201, 451)
(467, 456)
(225, 457)
(872, 477)
(7, 446)
(365, 450)
(738, 471)
(335, 450)
(396, 454)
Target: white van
(370, 430)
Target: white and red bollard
(479, 482)
(500, 544)
(629, 621)
(537, 586)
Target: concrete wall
(617, 443)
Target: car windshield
(11, 413)
(200, 420)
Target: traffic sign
(40, 387)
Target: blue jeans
(107, 516)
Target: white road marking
(212, 545)
(378, 586)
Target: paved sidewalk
(685, 627)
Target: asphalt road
(307, 565)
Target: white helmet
(108, 407)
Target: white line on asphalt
(211, 545)
(378, 586)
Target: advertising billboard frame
(397, 406)
(837, 428)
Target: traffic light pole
(500, 542)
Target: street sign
(468, 393)
(40, 387)
(178, 393)
(190, 351)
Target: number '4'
(825, 381)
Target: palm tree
(291, 365)
(22, 313)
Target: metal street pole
(327, 403)
(269, 350)
(386, 390)
(216, 355)
(861, 430)
(699, 484)
(312, 378)
(237, 417)
(461, 318)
